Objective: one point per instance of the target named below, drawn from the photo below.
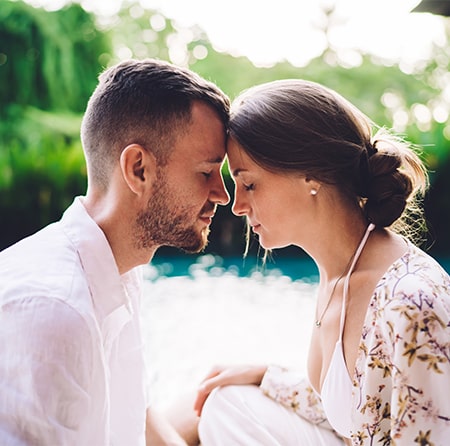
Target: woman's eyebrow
(236, 172)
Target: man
(71, 360)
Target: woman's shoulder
(414, 279)
(415, 267)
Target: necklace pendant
(318, 323)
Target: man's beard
(165, 223)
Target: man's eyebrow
(218, 160)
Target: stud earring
(313, 192)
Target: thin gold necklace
(349, 265)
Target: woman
(309, 172)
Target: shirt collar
(106, 285)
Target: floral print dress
(401, 381)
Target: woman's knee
(224, 414)
(228, 404)
(224, 398)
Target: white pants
(244, 416)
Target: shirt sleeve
(420, 367)
(293, 391)
(45, 372)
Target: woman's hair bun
(388, 189)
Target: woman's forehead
(238, 160)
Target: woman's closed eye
(249, 187)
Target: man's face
(188, 188)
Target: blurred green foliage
(50, 59)
(49, 63)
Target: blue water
(296, 269)
(302, 268)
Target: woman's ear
(313, 186)
(138, 167)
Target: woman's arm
(293, 391)
(286, 387)
(420, 407)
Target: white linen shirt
(72, 368)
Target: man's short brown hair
(146, 102)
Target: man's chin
(196, 249)
(194, 244)
(193, 250)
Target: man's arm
(45, 372)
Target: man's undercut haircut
(146, 102)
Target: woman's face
(277, 206)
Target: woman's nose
(239, 208)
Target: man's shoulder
(44, 264)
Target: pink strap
(369, 229)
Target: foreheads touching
(146, 102)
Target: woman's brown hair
(300, 126)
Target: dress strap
(358, 252)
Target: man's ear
(138, 167)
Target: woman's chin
(271, 244)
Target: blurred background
(391, 58)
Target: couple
(307, 172)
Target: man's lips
(207, 218)
(207, 213)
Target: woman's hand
(225, 376)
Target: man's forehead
(200, 156)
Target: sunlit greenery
(49, 63)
